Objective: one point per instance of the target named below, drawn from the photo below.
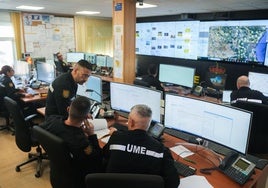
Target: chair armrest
(30, 117)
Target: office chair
(61, 171)
(141, 83)
(258, 141)
(23, 135)
(123, 180)
(3, 111)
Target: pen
(189, 160)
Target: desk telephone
(94, 109)
(236, 167)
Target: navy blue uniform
(60, 95)
(11, 91)
(245, 93)
(86, 153)
(137, 152)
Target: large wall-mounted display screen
(235, 41)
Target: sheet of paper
(100, 127)
(181, 151)
(194, 181)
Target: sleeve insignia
(10, 84)
(88, 150)
(65, 93)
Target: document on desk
(100, 127)
(181, 151)
(194, 181)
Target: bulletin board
(45, 35)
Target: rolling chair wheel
(17, 169)
(37, 175)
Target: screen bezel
(177, 77)
(206, 138)
(125, 111)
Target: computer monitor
(110, 62)
(222, 124)
(74, 57)
(215, 81)
(101, 60)
(90, 57)
(179, 75)
(258, 81)
(91, 89)
(125, 96)
(45, 72)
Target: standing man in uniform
(63, 89)
(134, 151)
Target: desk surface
(38, 97)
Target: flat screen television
(74, 57)
(125, 96)
(178, 75)
(91, 89)
(222, 124)
(45, 72)
(259, 81)
(215, 81)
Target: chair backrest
(61, 173)
(3, 110)
(23, 135)
(123, 180)
(141, 83)
(258, 142)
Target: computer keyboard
(218, 148)
(177, 134)
(183, 169)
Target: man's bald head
(242, 81)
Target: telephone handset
(236, 167)
(95, 109)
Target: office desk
(202, 159)
(41, 110)
(38, 97)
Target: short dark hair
(5, 69)
(80, 107)
(152, 69)
(85, 64)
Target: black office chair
(23, 135)
(61, 171)
(141, 83)
(3, 111)
(123, 180)
(258, 142)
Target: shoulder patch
(88, 150)
(10, 84)
(65, 93)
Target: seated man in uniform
(134, 151)
(79, 136)
(61, 66)
(63, 89)
(245, 93)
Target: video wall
(233, 41)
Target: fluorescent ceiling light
(145, 5)
(87, 12)
(25, 7)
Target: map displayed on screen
(235, 41)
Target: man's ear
(68, 109)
